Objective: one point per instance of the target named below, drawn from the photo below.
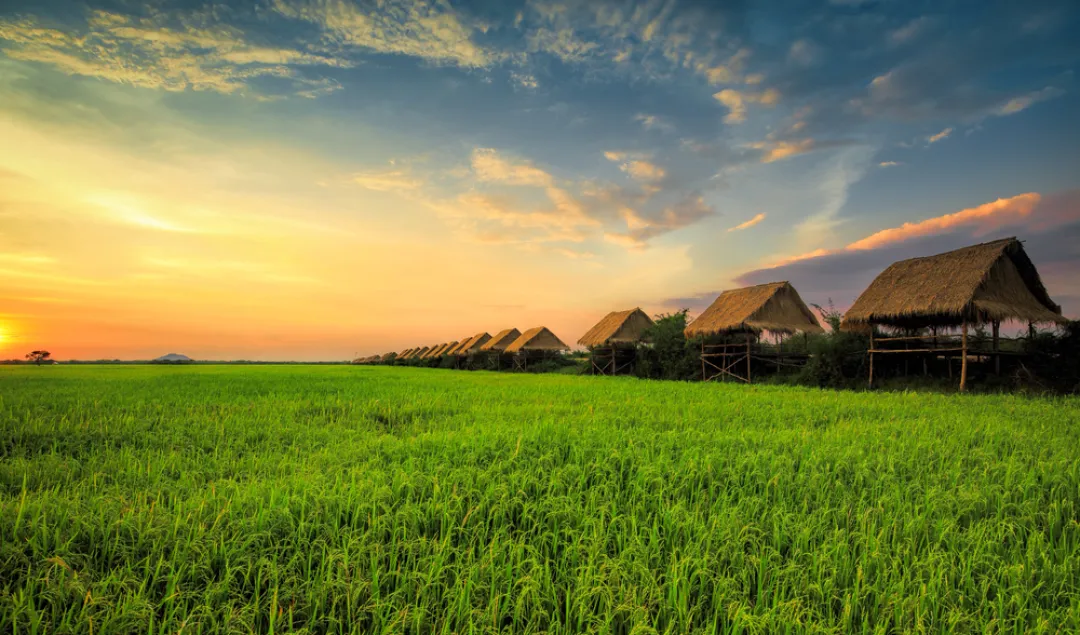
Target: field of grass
(392, 500)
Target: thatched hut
(490, 354)
(501, 340)
(469, 344)
(734, 322)
(613, 341)
(536, 343)
(419, 354)
(991, 283)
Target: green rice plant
(358, 499)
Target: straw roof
(472, 344)
(420, 352)
(775, 306)
(435, 351)
(981, 283)
(448, 347)
(454, 349)
(501, 340)
(537, 339)
(618, 327)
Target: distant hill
(174, 358)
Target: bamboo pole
(748, 358)
(997, 357)
(963, 360)
(704, 375)
(871, 356)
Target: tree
(669, 354)
(38, 356)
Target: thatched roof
(419, 354)
(387, 357)
(618, 327)
(437, 350)
(449, 347)
(472, 344)
(982, 283)
(454, 349)
(501, 340)
(537, 339)
(775, 306)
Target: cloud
(889, 164)
(736, 102)
(750, 223)
(391, 180)
(654, 122)
(640, 230)
(431, 31)
(988, 217)
(524, 80)
(944, 134)
(1021, 103)
(777, 150)
(144, 52)
(643, 171)
(804, 53)
(981, 220)
(489, 165)
(909, 31)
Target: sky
(320, 179)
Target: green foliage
(1054, 362)
(668, 354)
(38, 356)
(373, 499)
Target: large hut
(613, 341)
(988, 283)
(535, 344)
(490, 354)
(732, 326)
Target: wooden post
(703, 375)
(963, 359)
(871, 356)
(997, 357)
(748, 358)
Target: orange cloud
(750, 223)
(984, 218)
(988, 215)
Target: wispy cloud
(982, 219)
(750, 223)
(1023, 102)
(655, 122)
(944, 134)
(432, 31)
(640, 230)
(889, 164)
(145, 52)
(737, 102)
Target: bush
(669, 355)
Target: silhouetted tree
(38, 356)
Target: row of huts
(914, 307)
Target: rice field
(344, 499)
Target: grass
(385, 500)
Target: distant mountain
(174, 358)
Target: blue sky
(361, 176)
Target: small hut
(536, 343)
(613, 341)
(731, 328)
(991, 283)
(436, 350)
(490, 353)
(473, 344)
(420, 352)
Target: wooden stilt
(871, 385)
(963, 359)
(748, 358)
(704, 375)
(997, 357)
